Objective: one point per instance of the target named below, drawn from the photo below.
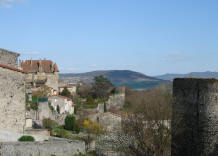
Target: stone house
(65, 104)
(41, 73)
(8, 58)
(71, 87)
(12, 95)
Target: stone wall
(51, 79)
(8, 58)
(57, 148)
(12, 100)
(44, 112)
(116, 101)
(195, 117)
(110, 121)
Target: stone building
(72, 88)
(41, 73)
(8, 58)
(12, 94)
(65, 104)
(195, 117)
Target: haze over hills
(170, 77)
(128, 78)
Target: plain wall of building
(12, 100)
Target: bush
(48, 123)
(26, 138)
(90, 100)
(77, 128)
(76, 108)
(61, 133)
(58, 109)
(34, 104)
(70, 122)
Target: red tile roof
(34, 66)
(13, 68)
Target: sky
(149, 36)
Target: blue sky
(149, 36)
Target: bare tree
(146, 126)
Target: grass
(90, 106)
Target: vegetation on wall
(26, 139)
(34, 104)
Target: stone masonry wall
(48, 148)
(8, 58)
(12, 100)
(195, 117)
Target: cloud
(8, 3)
(174, 57)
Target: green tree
(105, 107)
(70, 123)
(34, 104)
(101, 87)
(66, 93)
(90, 100)
(58, 109)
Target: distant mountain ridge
(128, 78)
(207, 74)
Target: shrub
(76, 108)
(66, 93)
(26, 138)
(61, 133)
(70, 122)
(48, 123)
(51, 108)
(90, 100)
(34, 103)
(58, 109)
(77, 128)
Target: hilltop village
(33, 102)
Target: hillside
(128, 78)
(207, 74)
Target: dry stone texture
(12, 100)
(57, 148)
(8, 58)
(195, 117)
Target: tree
(149, 123)
(71, 124)
(101, 87)
(66, 93)
(34, 104)
(84, 91)
(90, 100)
(58, 109)
(146, 126)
